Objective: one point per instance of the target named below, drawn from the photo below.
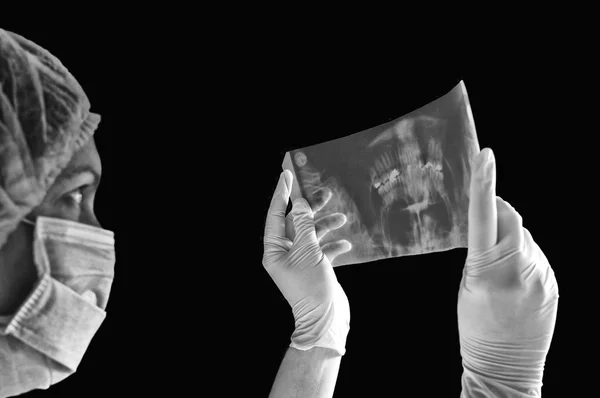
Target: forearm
(311, 373)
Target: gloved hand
(508, 297)
(302, 269)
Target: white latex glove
(508, 297)
(302, 269)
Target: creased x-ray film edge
(428, 152)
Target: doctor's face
(71, 197)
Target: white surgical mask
(75, 266)
(80, 256)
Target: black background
(192, 139)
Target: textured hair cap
(44, 120)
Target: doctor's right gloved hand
(301, 268)
(508, 297)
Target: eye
(74, 198)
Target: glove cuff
(510, 364)
(325, 326)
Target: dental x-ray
(403, 185)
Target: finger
(510, 224)
(275, 224)
(329, 223)
(334, 249)
(483, 230)
(320, 198)
(303, 221)
(290, 232)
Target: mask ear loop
(28, 222)
(40, 260)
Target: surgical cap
(44, 120)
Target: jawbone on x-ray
(403, 185)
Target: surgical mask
(79, 256)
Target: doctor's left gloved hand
(301, 268)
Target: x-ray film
(403, 185)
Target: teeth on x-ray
(404, 192)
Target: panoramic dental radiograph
(403, 185)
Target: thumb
(483, 214)
(275, 224)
